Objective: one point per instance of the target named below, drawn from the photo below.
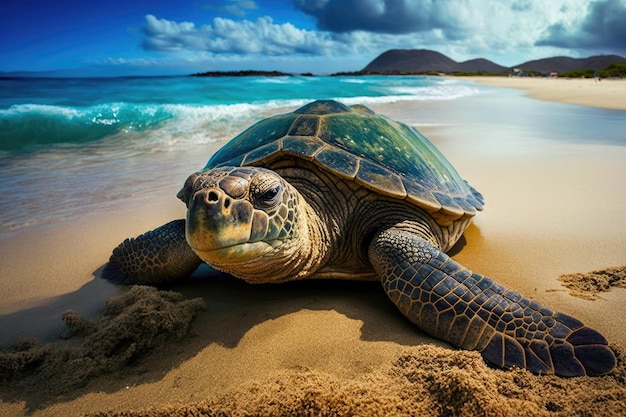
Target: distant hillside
(480, 65)
(563, 63)
(406, 60)
(248, 73)
(424, 60)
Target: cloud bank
(603, 27)
(227, 36)
(462, 29)
(391, 16)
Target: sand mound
(424, 381)
(588, 285)
(131, 326)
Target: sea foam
(74, 146)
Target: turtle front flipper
(471, 311)
(156, 257)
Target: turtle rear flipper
(473, 312)
(153, 258)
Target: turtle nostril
(213, 196)
(227, 203)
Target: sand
(608, 93)
(318, 348)
(592, 284)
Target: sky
(166, 37)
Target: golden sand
(608, 94)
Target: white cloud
(168, 36)
(505, 32)
(237, 8)
(483, 27)
(603, 28)
(126, 62)
(227, 36)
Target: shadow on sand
(137, 337)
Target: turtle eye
(269, 197)
(270, 194)
(266, 191)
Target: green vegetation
(248, 73)
(614, 70)
(419, 73)
(579, 73)
(617, 70)
(477, 73)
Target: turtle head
(244, 221)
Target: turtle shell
(355, 143)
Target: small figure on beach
(337, 192)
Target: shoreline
(544, 217)
(606, 94)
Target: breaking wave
(30, 127)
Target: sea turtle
(331, 191)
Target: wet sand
(553, 207)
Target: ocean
(72, 146)
(69, 146)
(39, 114)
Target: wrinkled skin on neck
(251, 223)
(291, 222)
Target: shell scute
(420, 195)
(387, 183)
(305, 126)
(304, 147)
(261, 133)
(366, 136)
(449, 205)
(359, 108)
(338, 161)
(466, 206)
(323, 107)
(355, 143)
(261, 153)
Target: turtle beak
(223, 227)
(216, 221)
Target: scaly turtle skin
(330, 191)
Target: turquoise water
(71, 146)
(38, 113)
(75, 146)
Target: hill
(480, 65)
(424, 61)
(407, 60)
(248, 73)
(562, 64)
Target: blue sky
(154, 37)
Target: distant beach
(551, 173)
(607, 93)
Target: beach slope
(607, 94)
